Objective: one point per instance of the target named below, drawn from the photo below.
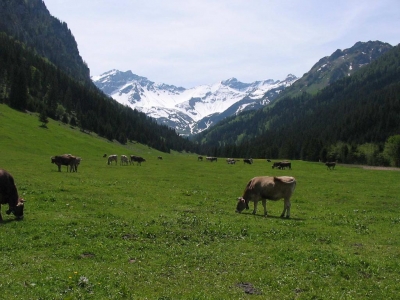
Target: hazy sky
(193, 42)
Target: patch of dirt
(248, 288)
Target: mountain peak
(188, 111)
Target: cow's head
(241, 205)
(17, 210)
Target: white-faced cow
(112, 158)
(267, 188)
(124, 160)
(330, 165)
(231, 161)
(64, 160)
(137, 159)
(9, 195)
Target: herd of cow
(125, 160)
(257, 189)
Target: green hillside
(346, 116)
(168, 230)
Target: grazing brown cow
(159, 157)
(64, 160)
(112, 158)
(9, 195)
(267, 188)
(199, 158)
(330, 165)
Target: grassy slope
(167, 229)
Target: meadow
(168, 229)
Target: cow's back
(271, 188)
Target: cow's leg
(286, 208)
(264, 203)
(255, 207)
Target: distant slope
(355, 110)
(339, 64)
(325, 72)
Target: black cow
(9, 195)
(137, 159)
(285, 164)
(248, 161)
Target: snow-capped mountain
(189, 111)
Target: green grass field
(168, 229)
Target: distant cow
(276, 164)
(105, 155)
(159, 157)
(137, 159)
(248, 161)
(199, 158)
(64, 160)
(124, 160)
(231, 161)
(211, 158)
(267, 188)
(268, 160)
(9, 195)
(330, 165)
(74, 166)
(112, 158)
(282, 165)
(285, 164)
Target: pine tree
(43, 118)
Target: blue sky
(189, 43)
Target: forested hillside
(31, 23)
(30, 82)
(350, 120)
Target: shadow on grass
(272, 217)
(9, 221)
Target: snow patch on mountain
(183, 109)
